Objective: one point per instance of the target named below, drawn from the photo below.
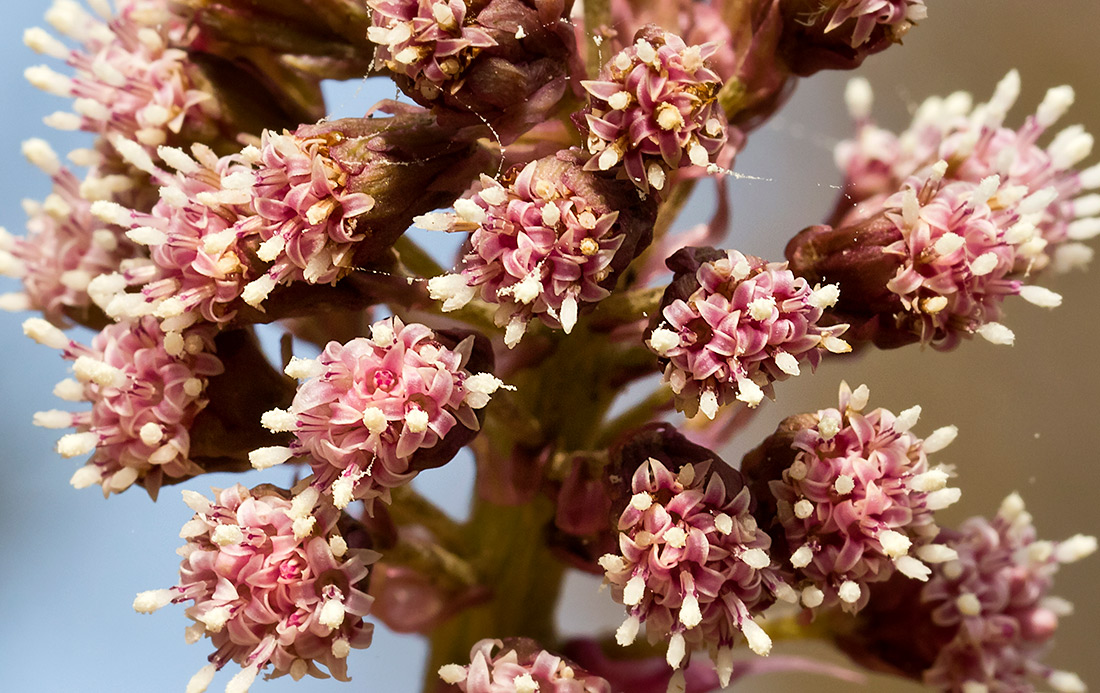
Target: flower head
(994, 597)
(542, 246)
(855, 498)
(976, 145)
(693, 565)
(145, 389)
(366, 409)
(732, 324)
(66, 247)
(984, 620)
(230, 229)
(429, 41)
(264, 596)
(518, 666)
(131, 76)
(654, 109)
(840, 34)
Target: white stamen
(756, 558)
(265, 458)
(759, 641)
(628, 631)
(1040, 296)
(803, 509)
(812, 597)
(677, 649)
(912, 568)
(690, 615)
(968, 604)
(824, 296)
(227, 535)
(201, 680)
(1066, 682)
(302, 369)
(932, 480)
(634, 590)
(844, 484)
(894, 543)
(332, 614)
(44, 333)
(849, 592)
(859, 97)
(149, 601)
(937, 553)
(1075, 548)
(996, 333)
(452, 289)
(452, 674)
(802, 556)
(944, 498)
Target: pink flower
(994, 598)
(367, 407)
(542, 246)
(654, 109)
(976, 145)
(131, 77)
(692, 564)
(264, 595)
(232, 228)
(856, 501)
(519, 666)
(66, 247)
(145, 388)
(429, 41)
(964, 248)
(864, 16)
(306, 214)
(736, 326)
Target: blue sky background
(71, 562)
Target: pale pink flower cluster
(264, 594)
(748, 323)
(305, 212)
(538, 249)
(654, 109)
(995, 597)
(366, 407)
(962, 248)
(285, 203)
(856, 503)
(976, 146)
(429, 41)
(692, 565)
(499, 668)
(898, 16)
(65, 246)
(131, 77)
(145, 388)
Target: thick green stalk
(525, 578)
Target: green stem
(514, 561)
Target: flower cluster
(131, 77)
(65, 246)
(855, 504)
(897, 16)
(543, 245)
(976, 145)
(741, 324)
(264, 595)
(693, 565)
(654, 109)
(367, 407)
(232, 228)
(429, 41)
(961, 251)
(145, 388)
(994, 600)
(518, 666)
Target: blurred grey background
(70, 562)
